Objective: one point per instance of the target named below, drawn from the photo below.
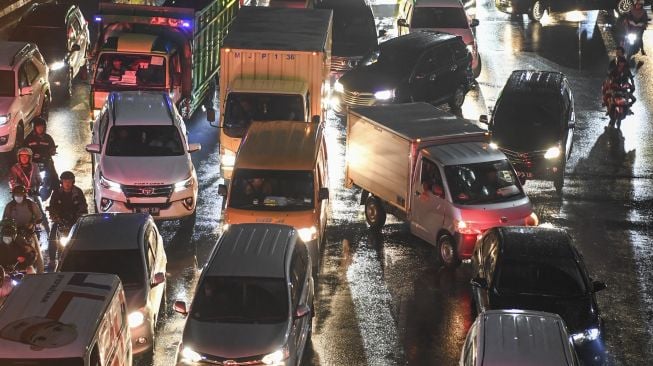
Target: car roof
(115, 231)
(438, 4)
(535, 242)
(140, 108)
(280, 145)
(463, 153)
(415, 42)
(521, 81)
(252, 250)
(514, 337)
(8, 51)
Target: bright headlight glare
(464, 227)
(384, 94)
(64, 240)
(339, 88)
(135, 319)
(184, 184)
(632, 37)
(493, 145)
(109, 184)
(275, 358)
(189, 355)
(4, 119)
(308, 233)
(228, 158)
(57, 65)
(552, 153)
(587, 336)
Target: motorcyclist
(637, 20)
(15, 251)
(66, 206)
(25, 172)
(43, 148)
(26, 215)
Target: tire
(458, 98)
(448, 251)
(536, 12)
(479, 66)
(374, 213)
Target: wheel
(458, 98)
(448, 251)
(624, 6)
(374, 213)
(45, 107)
(536, 12)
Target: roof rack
(23, 51)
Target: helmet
(24, 151)
(19, 190)
(67, 175)
(39, 121)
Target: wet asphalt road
(382, 299)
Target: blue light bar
(185, 23)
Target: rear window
(128, 265)
(7, 83)
(43, 362)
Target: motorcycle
(620, 100)
(60, 237)
(16, 275)
(632, 41)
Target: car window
(31, 71)
(7, 83)
(126, 264)
(481, 183)
(543, 276)
(23, 80)
(144, 141)
(272, 190)
(430, 176)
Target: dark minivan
(533, 124)
(423, 66)
(354, 33)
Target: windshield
(143, 71)
(43, 362)
(424, 17)
(549, 276)
(353, 27)
(272, 190)
(482, 183)
(241, 300)
(126, 264)
(527, 121)
(7, 83)
(144, 141)
(243, 108)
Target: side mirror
(75, 48)
(26, 90)
(315, 119)
(158, 279)
(93, 148)
(323, 194)
(474, 23)
(402, 22)
(194, 147)
(483, 119)
(382, 33)
(176, 79)
(438, 190)
(180, 307)
(302, 311)
(222, 190)
(598, 286)
(479, 282)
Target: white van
(65, 319)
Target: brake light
(466, 229)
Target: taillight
(531, 220)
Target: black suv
(533, 124)
(424, 66)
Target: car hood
(511, 213)
(5, 104)
(465, 33)
(578, 312)
(146, 170)
(370, 79)
(234, 340)
(136, 297)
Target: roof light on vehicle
(552, 153)
(384, 95)
(189, 355)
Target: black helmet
(67, 175)
(39, 121)
(19, 190)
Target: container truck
(434, 170)
(174, 47)
(275, 66)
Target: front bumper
(161, 208)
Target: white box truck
(275, 66)
(435, 171)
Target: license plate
(154, 211)
(527, 175)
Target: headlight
(470, 48)
(384, 94)
(4, 119)
(632, 37)
(552, 153)
(228, 158)
(308, 233)
(587, 336)
(493, 145)
(276, 358)
(189, 355)
(109, 184)
(184, 184)
(339, 88)
(57, 65)
(135, 319)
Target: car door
(428, 203)
(28, 75)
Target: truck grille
(147, 191)
(343, 64)
(523, 160)
(351, 98)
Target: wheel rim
(624, 6)
(446, 251)
(371, 212)
(537, 10)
